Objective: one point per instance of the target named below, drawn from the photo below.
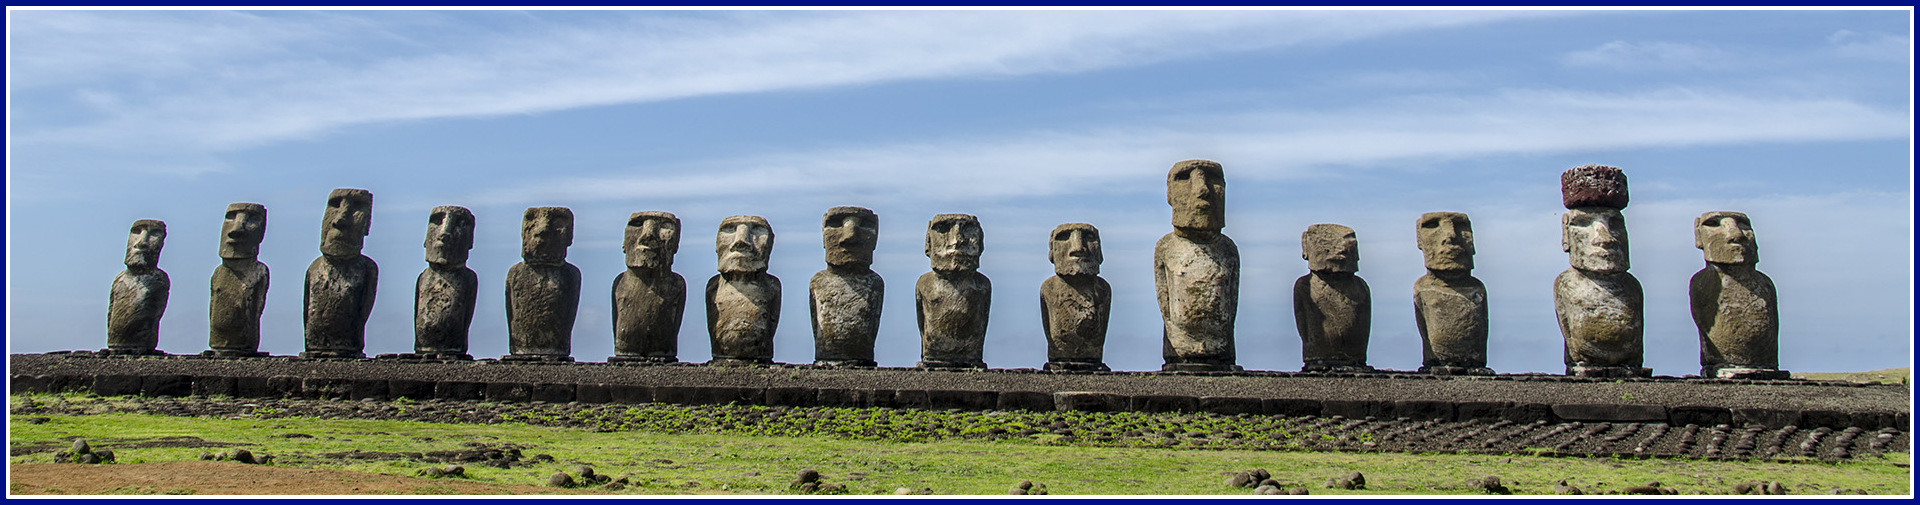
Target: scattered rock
(560, 479)
(809, 475)
(1489, 484)
(105, 455)
(240, 455)
(1267, 490)
(89, 459)
(1297, 491)
(1349, 481)
(208, 456)
(1775, 488)
(1640, 490)
(454, 471)
(1563, 487)
(37, 420)
(431, 472)
(80, 447)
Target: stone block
(1423, 409)
(629, 394)
(792, 397)
(1089, 401)
(166, 385)
(1606, 412)
(1528, 412)
(1699, 415)
(1230, 405)
(593, 393)
(250, 387)
(1811, 419)
(553, 393)
(369, 389)
(459, 390)
(410, 389)
(841, 397)
(912, 399)
(1873, 420)
(1024, 400)
(509, 392)
(1163, 403)
(213, 386)
(1355, 409)
(284, 386)
(1769, 418)
(61, 383)
(29, 383)
(941, 399)
(117, 385)
(1291, 407)
(1465, 411)
(326, 388)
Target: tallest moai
(1597, 302)
(341, 282)
(1196, 271)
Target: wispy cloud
(1265, 145)
(1623, 55)
(1872, 46)
(219, 81)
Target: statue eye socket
(1184, 175)
(1063, 236)
(437, 219)
(1432, 223)
(942, 227)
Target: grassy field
(1902, 375)
(705, 464)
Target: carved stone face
(1447, 240)
(1330, 248)
(849, 234)
(1727, 237)
(744, 244)
(1597, 239)
(144, 241)
(240, 234)
(652, 239)
(1074, 249)
(1197, 190)
(449, 235)
(545, 233)
(348, 220)
(954, 242)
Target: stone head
(1446, 238)
(449, 235)
(348, 220)
(1197, 190)
(1330, 248)
(545, 234)
(954, 242)
(240, 234)
(653, 237)
(849, 235)
(1593, 186)
(744, 244)
(1074, 249)
(1727, 237)
(144, 241)
(1596, 237)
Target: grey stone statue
(444, 295)
(1597, 302)
(649, 299)
(341, 283)
(1075, 302)
(951, 302)
(139, 294)
(1331, 306)
(845, 298)
(1449, 305)
(239, 284)
(1196, 272)
(743, 300)
(543, 290)
(1734, 305)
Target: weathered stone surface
(543, 290)
(1593, 186)
(1610, 413)
(1332, 307)
(1449, 304)
(239, 284)
(444, 294)
(952, 301)
(649, 299)
(1196, 272)
(1598, 304)
(845, 298)
(1075, 303)
(1734, 305)
(1087, 401)
(743, 300)
(139, 295)
(341, 283)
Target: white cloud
(218, 81)
(1623, 55)
(1872, 46)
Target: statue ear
(1566, 244)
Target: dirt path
(217, 478)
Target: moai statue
(341, 282)
(139, 294)
(444, 295)
(743, 300)
(1196, 272)
(239, 284)
(951, 302)
(1597, 301)
(845, 298)
(1331, 306)
(1449, 305)
(1734, 304)
(543, 290)
(1075, 302)
(648, 297)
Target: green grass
(766, 463)
(1902, 375)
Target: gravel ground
(1544, 389)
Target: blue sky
(1802, 119)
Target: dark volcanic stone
(912, 399)
(457, 390)
(630, 394)
(117, 385)
(1611, 413)
(1024, 400)
(369, 388)
(1163, 403)
(250, 387)
(1479, 410)
(1089, 401)
(1823, 419)
(941, 399)
(1528, 412)
(791, 397)
(553, 393)
(30, 383)
(326, 388)
(212, 385)
(410, 389)
(1230, 405)
(283, 386)
(1770, 418)
(509, 391)
(166, 385)
(1418, 409)
(1593, 186)
(1704, 416)
(593, 393)
(1291, 407)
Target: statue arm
(713, 312)
(373, 287)
(1703, 295)
(1046, 317)
(572, 295)
(1302, 296)
(773, 311)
